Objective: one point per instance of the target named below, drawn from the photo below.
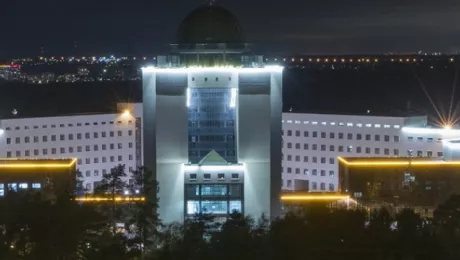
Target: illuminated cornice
(230, 167)
(18, 163)
(108, 199)
(214, 69)
(424, 130)
(313, 197)
(395, 162)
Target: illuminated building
(420, 183)
(212, 122)
(98, 141)
(312, 143)
(55, 175)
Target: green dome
(210, 24)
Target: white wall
(403, 134)
(90, 162)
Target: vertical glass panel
(193, 207)
(236, 190)
(23, 186)
(211, 124)
(235, 205)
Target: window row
(64, 137)
(341, 136)
(314, 172)
(66, 125)
(213, 207)
(359, 149)
(322, 160)
(104, 159)
(348, 124)
(18, 186)
(89, 173)
(314, 186)
(64, 150)
(220, 176)
(428, 139)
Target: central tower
(212, 122)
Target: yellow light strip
(368, 162)
(313, 197)
(106, 199)
(19, 164)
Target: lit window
(368, 125)
(332, 123)
(323, 123)
(314, 123)
(297, 122)
(193, 207)
(13, 186)
(359, 125)
(235, 205)
(341, 124)
(396, 126)
(386, 126)
(349, 124)
(23, 186)
(377, 125)
(289, 121)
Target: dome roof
(210, 24)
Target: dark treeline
(40, 226)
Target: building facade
(212, 122)
(99, 141)
(312, 143)
(398, 183)
(51, 177)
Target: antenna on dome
(210, 2)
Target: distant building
(55, 176)
(212, 122)
(312, 143)
(396, 183)
(98, 141)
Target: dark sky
(135, 27)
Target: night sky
(145, 27)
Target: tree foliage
(34, 227)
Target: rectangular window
(359, 136)
(305, 133)
(62, 137)
(53, 138)
(79, 136)
(377, 138)
(95, 135)
(386, 138)
(340, 135)
(331, 135)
